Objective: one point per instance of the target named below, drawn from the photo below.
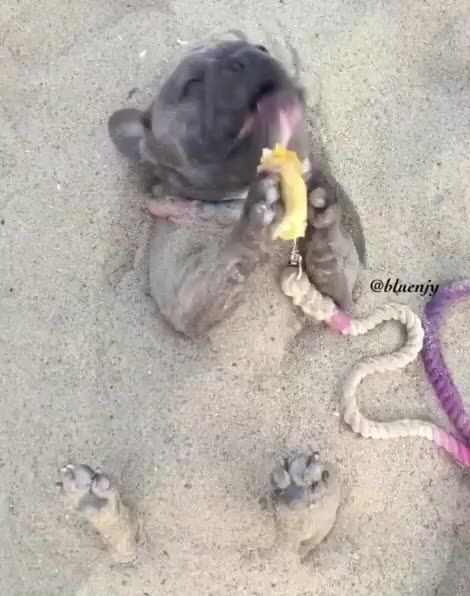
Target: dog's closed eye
(190, 85)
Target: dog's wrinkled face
(218, 109)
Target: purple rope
(434, 364)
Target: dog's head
(218, 109)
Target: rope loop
(322, 308)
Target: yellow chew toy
(294, 191)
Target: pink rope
(459, 451)
(422, 336)
(436, 369)
(339, 322)
(434, 363)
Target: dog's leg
(92, 494)
(198, 290)
(331, 260)
(305, 501)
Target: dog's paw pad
(300, 482)
(262, 200)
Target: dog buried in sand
(201, 139)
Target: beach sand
(90, 372)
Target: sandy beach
(190, 430)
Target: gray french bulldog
(201, 139)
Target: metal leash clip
(295, 259)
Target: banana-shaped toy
(293, 189)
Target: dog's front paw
(331, 260)
(263, 204)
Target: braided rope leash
(296, 285)
(434, 364)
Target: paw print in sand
(305, 500)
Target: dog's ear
(127, 128)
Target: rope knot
(305, 295)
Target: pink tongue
(289, 120)
(287, 113)
(285, 129)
